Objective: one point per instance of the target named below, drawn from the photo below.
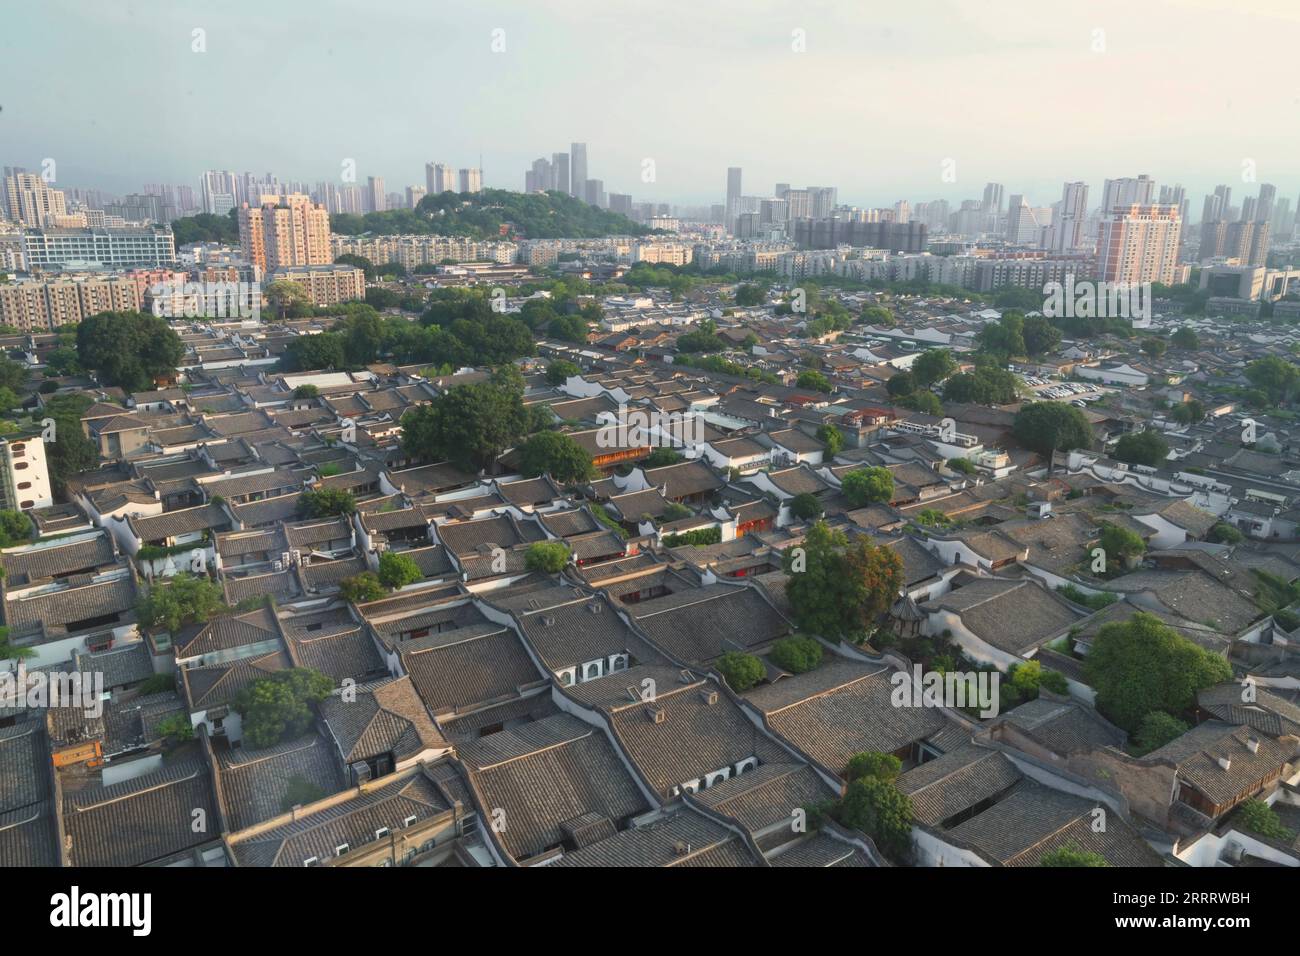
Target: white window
(381, 833)
(592, 670)
(341, 849)
(409, 820)
(311, 861)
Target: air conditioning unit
(361, 772)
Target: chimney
(1225, 763)
(1252, 744)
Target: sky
(922, 100)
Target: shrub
(1073, 855)
(740, 671)
(1156, 730)
(796, 654)
(362, 588)
(873, 764)
(548, 556)
(805, 506)
(398, 570)
(1258, 817)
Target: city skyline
(754, 75)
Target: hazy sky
(1016, 92)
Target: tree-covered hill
(551, 215)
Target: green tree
(550, 557)
(71, 452)
(176, 728)
(1072, 855)
(15, 528)
(1121, 545)
(1185, 338)
(128, 349)
(805, 506)
(1142, 448)
(865, 486)
(1154, 347)
(177, 601)
(362, 588)
(1041, 336)
(933, 365)
(1005, 338)
(881, 811)
(750, 295)
(1142, 665)
(468, 424)
(796, 653)
(1275, 376)
(286, 297)
(740, 671)
(1047, 427)
(1188, 413)
(306, 391)
(662, 457)
(555, 454)
(13, 652)
(875, 765)
(1156, 730)
(397, 570)
(559, 371)
(309, 353)
(813, 380)
(901, 383)
(836, 590)
(277, 707)
(1224, 533)
(1258, 817)
(326, 502)
(832, 438)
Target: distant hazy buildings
(577, 169)
(30, 201)
(218, 191)
(470, 180)
(439, 178)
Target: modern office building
(64, 249)
(376, 200)
(560, 172)
(577, 169)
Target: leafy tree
(1142, 448)
(326, 502)
(923, 400)
(299, 791)
(832, 438)
(286, 298)
(1156, 730)
(662, 457)
(865, 486)
(397, 570)
(548, 556)
(873, 764)
(750, 295)
(796, 653)
(1258, 817)
(560, 371)
(306, 391)
(63, 360)
(1006, 337)
(558, 455)
(805, 506)
(13, 652)
(277, 707)
(206, 227)
(308, 353)
(1142, 665)
(1224, 533)
(1040, 336)
(1072, 855)
(813, 380)
(1185, 338)
(1120, 543)
(128, 349)
(177, 601)
(835, 589)
(1188, 413)
(362, 330)
(984, 386)
(881, 811)
(902, 383)
(71, 452)
(879, 316)
(361, 262)
(176, 728)
(962, 465)
(1154, 347)
(1274, 376)
(1047, 427)
(569, 328)
(468, 424)
(933, 365)
(15, 528)
(740, 671)
(362, 588)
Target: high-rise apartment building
(439, 178)
(1127, 192)
(560, 172)
(733, 196)
(288, 231)
(413, 196)
(218, 191)
(470, 180)
(1069, 219)
(577, 169)
(1138, 244)
(1022, 224)
(376, 201)
(30, 200)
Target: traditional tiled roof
(142, 820)
(212, 685)
(27, 828)
(225, 633)
(386, 717)
(57, 558)
(340, 652)
(704, 623)
(171, 524)
(953, 783)
(470, 665)
(681, 838)
(254, 783)
(1065, 726)
(1011, 615)
(1200, 754)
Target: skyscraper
(285, 231)
(733, 196)
(470, 180)
(560, 171)
(375, 198)
(218, 191)
(992, 206)
(1138, 244)
(30, 199)
(1127, 192)
(1067, 230)
(439, 178)
(577, 169)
